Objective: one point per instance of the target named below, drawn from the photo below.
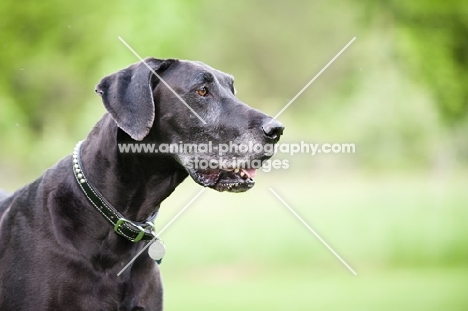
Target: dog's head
(190, 111)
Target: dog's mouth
(231, 180)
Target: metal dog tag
(157, 250)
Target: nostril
(273, 129)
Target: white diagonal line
(161, 79)
(313, 231)
(161, 231)
(313, 79)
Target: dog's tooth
(236, 170)
(242, 174)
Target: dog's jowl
(65, 237)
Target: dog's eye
(203, 91)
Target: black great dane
(65, 237)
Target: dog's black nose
(273, 129)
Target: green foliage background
(396, 209)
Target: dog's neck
(135, 184)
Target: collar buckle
(122, 221)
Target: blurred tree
(41, 71)
(51, 52)
(431, 40)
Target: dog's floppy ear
(128, 96)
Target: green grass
(242, 287)
(405, 235)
